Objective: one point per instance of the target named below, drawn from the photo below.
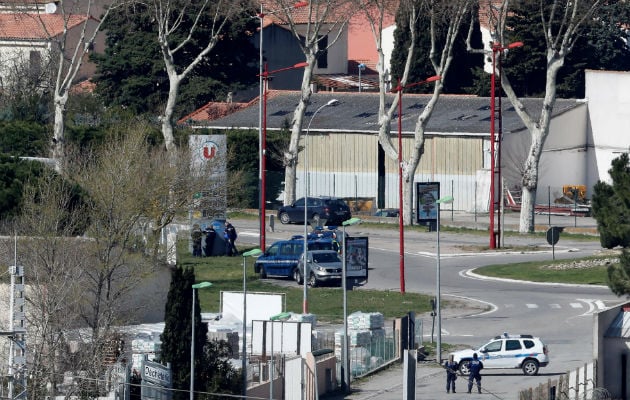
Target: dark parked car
(330, 209)
(387, 212)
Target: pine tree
(177, 332)
(611, 209)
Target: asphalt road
(560, 314)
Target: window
(35, 63)
(322, 59)
(273, 250)
(326, 257)
(512, 345)
(299, 202)
(528, 344)
(494, 346)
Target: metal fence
(369, 350)
(578, 384)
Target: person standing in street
(474, 367)
(451, 373)
(229, 234)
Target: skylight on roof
(365, 115)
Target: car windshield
(326, 257)
(338, 203)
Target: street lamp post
(346, 351)
(401, 231)
(445, 199)
(332, 102)
(266, 74)
(199, 285)
(251, 253)
(495, 142)
(361, 68)
(262, 131)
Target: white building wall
(563, 160)
(388, 46)
(464, 188)
(337, 53)
(608, 96)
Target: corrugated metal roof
(358, 112)
(620, 327)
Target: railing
(579, 384)
(370, 350)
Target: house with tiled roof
(282, 49)
(28, 40)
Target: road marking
(249, 233)
(593, 306)
(576, 305)
(509, 306)
(554, 305)
(532, 305)
(493, 307)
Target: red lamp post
(263, 145)
(262, 142)
(401, 232)
(495, 145)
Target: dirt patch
(480, 248)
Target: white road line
(531, 305)
(554, 305)
(493, 307)
(576, 305)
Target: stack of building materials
(148, 344)
(312, 318)
(364, 331)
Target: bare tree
(54, 268)
(324, 19)
(448, 14)
(563, 22)
(69, 48)
(175, 37)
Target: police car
(507, 351)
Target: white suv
(508, 351)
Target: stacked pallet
(364, 331)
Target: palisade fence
(579, 384)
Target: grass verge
(586, 271)
(226, 274)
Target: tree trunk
(58, 150)
(167, 117)
(291, 155)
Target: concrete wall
(608, 96)
(608, 352)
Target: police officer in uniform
(474, 367)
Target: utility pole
(17, 335)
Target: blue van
(281, 258)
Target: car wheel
(284, 218)
(312, 281)
(463, 367)
(315, 219)
(297, 276)
(263, 274)
(530, 367)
